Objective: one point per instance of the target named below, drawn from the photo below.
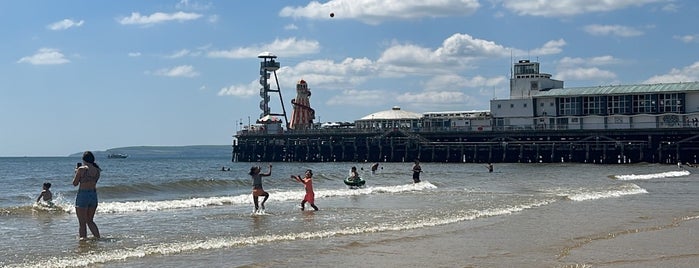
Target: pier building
(542, 121)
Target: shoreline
(520, 241)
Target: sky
(80, 75)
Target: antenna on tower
(511, 64)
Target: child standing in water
(46, 194)
(257, 189)
(307, 181)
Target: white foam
(662, 175)
(230, 242)
(245, 199)
(591, 194)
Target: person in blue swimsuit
(86, 177)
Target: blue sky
(92, 75)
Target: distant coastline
(190, 151)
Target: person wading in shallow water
(307, 181)
(86, 177)
(257, 189)
(416, 171)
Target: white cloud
(464, 45)
(594, 61)
(377, 11)
(291, 27)
(616, 30)
(686, 74)
(213, 19)
(158, 17)
(178, 71)
(550, 48)
(430, 97)
(45, 56)
(193, 5)
(134, 54)
(567, 8)
(591, 73)
(689, 38)
(455, 81)
(586, 68)
(670, 7)
(339, 75)
(64, 24)
(284, 48)
(241, 90)
(360, 98)
(457, 52)
(179, 54)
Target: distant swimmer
(46, 194)
(307, 181)
(416, 171)
(257, 189)
(374, 167)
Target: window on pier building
(671, 103)
(569, 106)
(594, 105)
(618, 104)
(645, 103)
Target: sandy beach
(527, 240)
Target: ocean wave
(184, 247)
(593, 194)
(171, 186)
(58, 206)
(244, 199)
(61, 205)
(669, 174)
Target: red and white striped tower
(302, 116)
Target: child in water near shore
(257, 190)
(307, 181)
(46, 194)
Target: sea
(197, 212)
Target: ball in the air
(332, 15)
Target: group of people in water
(307, 180)
(87, 173)
(258, 191)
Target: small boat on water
(358, 182)
(115, 155)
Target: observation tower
(267, 67)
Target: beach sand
(525, 240)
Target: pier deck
(397, 145)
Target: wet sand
(526, 240)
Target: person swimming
(46, 194)
(374, 167)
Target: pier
(398, 145)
